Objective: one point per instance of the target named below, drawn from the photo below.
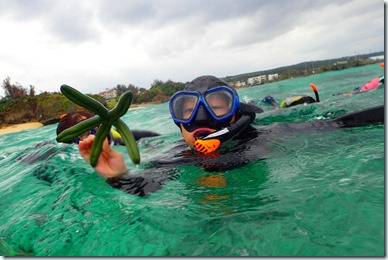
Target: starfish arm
(78, 129)
(129, 140)
(102, 133)
(84, 101)
(122, 106)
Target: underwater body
(312, 194)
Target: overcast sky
(97, 44)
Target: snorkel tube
(315, 89)
(211, 142)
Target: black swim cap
(203, 83)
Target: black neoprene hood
(203, 83)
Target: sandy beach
(19, 127)
(143, 105)
(136, 107)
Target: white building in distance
(109, 94)
(240, 84)
(257, 80)
(273, 76)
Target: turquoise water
(318, 194)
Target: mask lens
(93, 131)
(220, 102)
(183, 106)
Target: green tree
(157, 82)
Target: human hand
(109, 164)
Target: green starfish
(103, 118)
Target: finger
(106, 147)
(85, 147)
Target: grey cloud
(65, 20)
(24, 9)
(72, 23)
(184, 26)
(161, 13)
(78, 21)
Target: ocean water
(318, 194)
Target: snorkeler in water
(218, 130)
(294, 100)
(376, 83)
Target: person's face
(84, 135)
(188, 107)
(219, 107)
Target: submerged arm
(369, 116)
(150, 180)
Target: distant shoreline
(13, 128)
(143, 105)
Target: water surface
(318, 194)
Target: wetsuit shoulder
(369, 116)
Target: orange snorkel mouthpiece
(207, 146)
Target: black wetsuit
(249, 145)
(137, 134)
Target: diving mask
(220, 102)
